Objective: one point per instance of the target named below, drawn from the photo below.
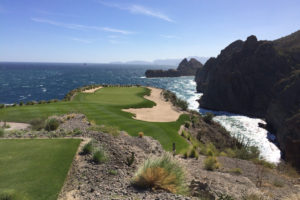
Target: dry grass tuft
(161, 173)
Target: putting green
(105, 107)
(35, 168)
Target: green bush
(21, 103)
(208, 117)
(37, 124)
(113, 172)
(211, 163)
(87, 148)
(182, 104)
(100, 156)
(2, 106)
(52, 124)
(161, 173)
(130, 160)
(247, 153)
(2, 132)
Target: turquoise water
(42, 81)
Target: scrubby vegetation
(141, 134)
(208, 117)
(170, 96)
(211, 163)
(37, 124)
(87, 148)
(52, 124)
(100, 156)
(161, 173)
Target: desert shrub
(187, 124)
(130, 160)
(193, 153)
(263, 163)
(52, 124)
(211, 163)
(87, 148)
(182, 104)
(209, 150)
(208, 117)
(161, 173)
(247, 153)
(37, 124)
(77, 131)
(113, 172)
(230, 152)
(225, 197)
(141, 134)
(2, 132)
(100, 156)
(278, 183)
(236, 171)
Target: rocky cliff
(185, 68)
(258, 78)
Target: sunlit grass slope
(35, 168)
(105, 107)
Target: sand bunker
(92, 90)
(162, 112)
(15, 126)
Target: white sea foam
(238, 125)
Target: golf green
(105, 107)
(35, 168)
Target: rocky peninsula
(185, 68)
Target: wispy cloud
(138, 9)
(80, 26)
(81, 40)
(170, 36)
(44, 12)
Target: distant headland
(185, 68)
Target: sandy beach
(162, 112)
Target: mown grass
(35, 168)
(105, 107)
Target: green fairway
(35, 168)
(104, 107)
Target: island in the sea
(185, 68)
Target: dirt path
(162, 112)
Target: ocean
(45, 81)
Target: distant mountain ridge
(258, 78)
(185, 68)
(167, 62)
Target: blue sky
(122, 30)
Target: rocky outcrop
(258, 78)
(185, 68)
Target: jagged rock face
(258, 78)
(185, 68)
